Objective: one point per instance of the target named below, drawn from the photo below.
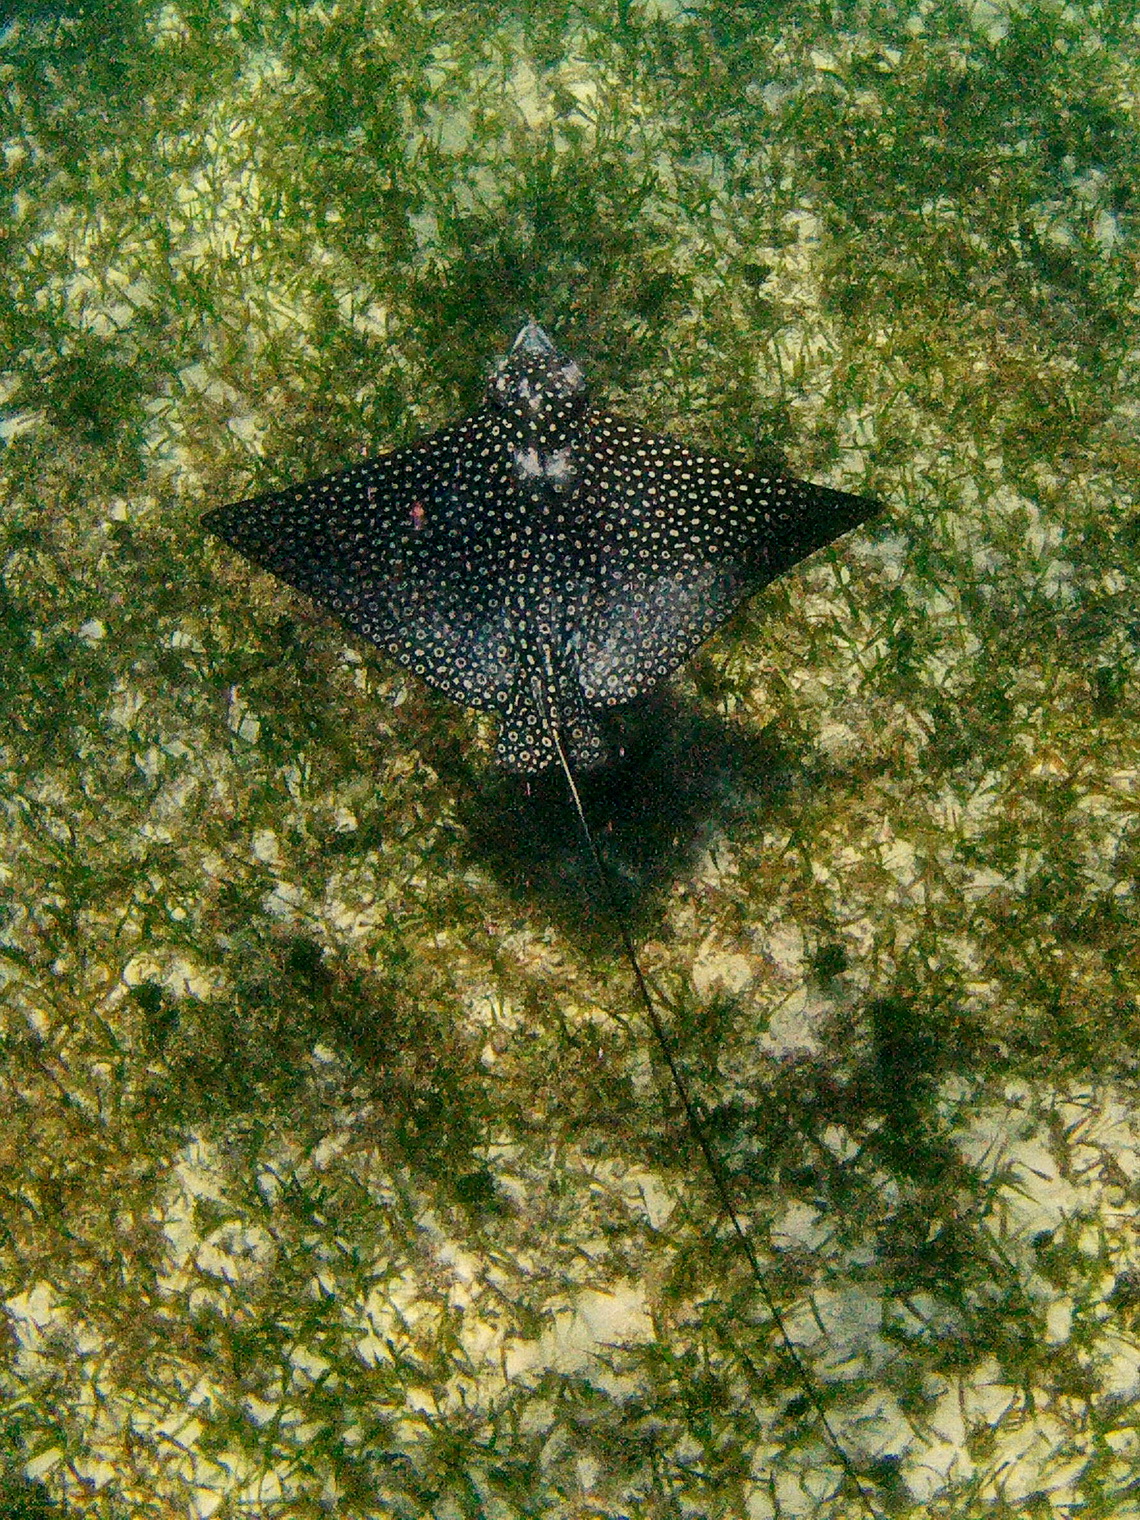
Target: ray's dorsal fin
(547, 560)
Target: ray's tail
(699, 1131)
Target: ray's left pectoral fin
(468, 656)
(335, 536)
(365, 545)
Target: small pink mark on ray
(418, 516)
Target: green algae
(336, 1174)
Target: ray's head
(536, 387)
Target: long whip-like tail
(699, 1130)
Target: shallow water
(337, 1168)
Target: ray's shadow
(682, 777)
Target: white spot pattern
(543, 559)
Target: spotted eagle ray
(547, 560)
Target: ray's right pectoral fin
(631, 634)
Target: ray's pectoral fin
(633, 632)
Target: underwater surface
(337, 1172)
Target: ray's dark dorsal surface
(543, 559)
